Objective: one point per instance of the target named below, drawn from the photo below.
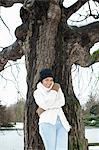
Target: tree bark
(12, 52)
(47, 48)
(9, 3)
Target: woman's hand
(55, 87)
(39, 111)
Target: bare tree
(46, 40)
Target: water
(94, 148)
(92, 134)
(11, 140)
(14, 139)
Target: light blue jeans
(54, 137)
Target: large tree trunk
(47, 48)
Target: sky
(13, 83)
(13, 79)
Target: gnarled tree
(46, 40)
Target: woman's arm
(39, 100)
(53, 99)
(60, 99)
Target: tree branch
(9, 3)
(73, 8)
(92, 31)
(82, 40)
(12, 52)
(92, 36)
(96, 1)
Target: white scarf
(42, 87)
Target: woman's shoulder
(36, 91)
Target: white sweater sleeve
(52, 100)
(45, 101)
(39, 100)
(60, 100)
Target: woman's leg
(48, 134)
(61, 137)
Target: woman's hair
(44, 73)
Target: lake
(11, 140)
(92, 134)
(14, 139)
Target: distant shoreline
(2, 129)
(21, 127)
(17, 126)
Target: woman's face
(47, 82)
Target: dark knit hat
(44, 73)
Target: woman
(53, 125)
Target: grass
(91, 121)
(93, 144)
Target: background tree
(16, 111)
(91, 111)
(95, 109)
(19, 110)
(92, 106)
(46, 40)
(2, 114)
(91, 102)
(13, 113)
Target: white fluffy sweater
(51, 101)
